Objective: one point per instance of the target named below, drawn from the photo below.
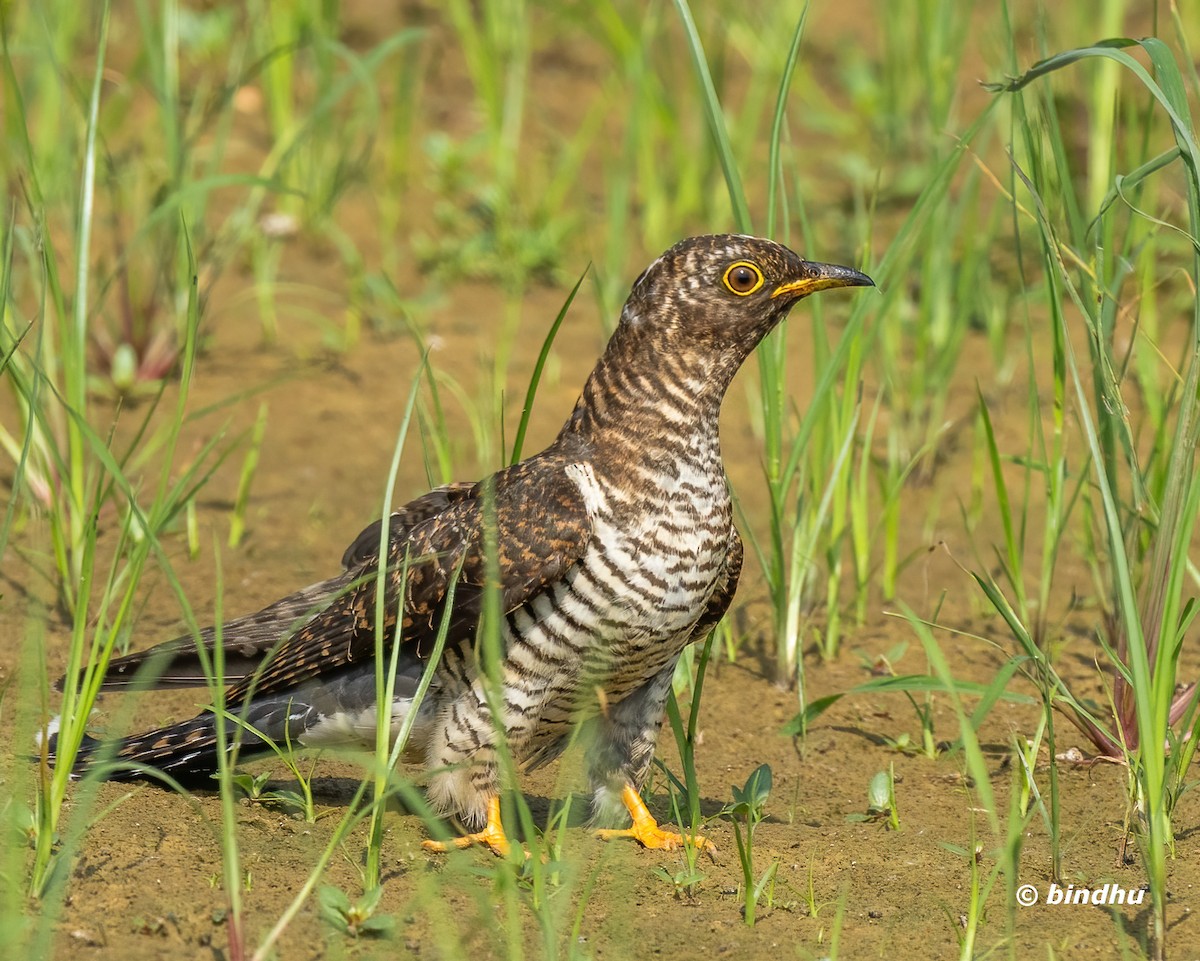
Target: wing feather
(539, 525)
(247, 641)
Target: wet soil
(147, 879)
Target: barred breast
(618, 617)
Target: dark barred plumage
(615, 548)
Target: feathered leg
(619, 762)
(466, 775)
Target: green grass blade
(536, 378)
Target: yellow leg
(645, 829)
(492, 836)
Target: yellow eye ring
(742, 278)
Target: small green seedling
(746, 812)
(299, 801)
(929, 745)
(357, 919)
(812, 906)
(1026, 751)
(882, 665)
(252, 785)
(881, 800)
(291, 802)
(684, 882)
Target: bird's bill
(822, 277)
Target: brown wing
(247, 640)
(540, 529)
(365, 549)
(244, 641)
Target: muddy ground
(147, 881)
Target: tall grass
(76, 473)
(1145, 506)
(787, 557)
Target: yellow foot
(491, 837)
(645, 829)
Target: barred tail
(188, 751)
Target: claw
(491, 837)
(645, 829)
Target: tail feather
(245, 641)
(189, 750)
(337, 710)
(186, 751)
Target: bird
(606, 554)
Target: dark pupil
(743, 278)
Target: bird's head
(722, 293)
(691, 320)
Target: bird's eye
(743, 278)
